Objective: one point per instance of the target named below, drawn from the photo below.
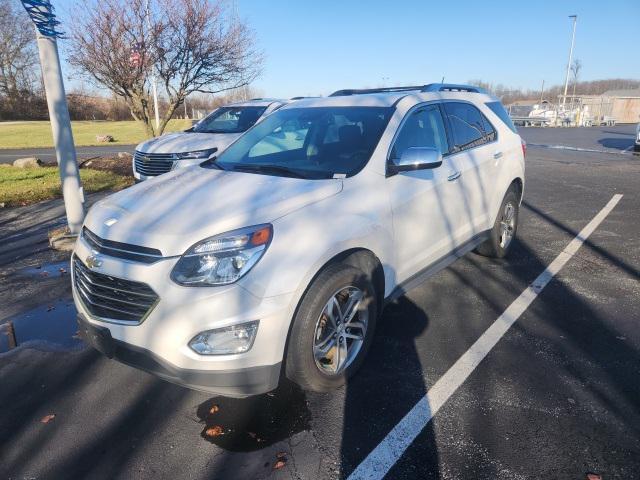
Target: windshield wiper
(211, 162)
(215, 131)
(275, 169)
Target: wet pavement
(618, 139)
(50, 326)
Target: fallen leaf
(279, 464)
(214, 409)
(48, 418)
(214, 431)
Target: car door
(474, 150)
(425, 204)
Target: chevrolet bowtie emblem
(93, 261)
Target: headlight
(199, 154)
(225, 341)
(222, 259)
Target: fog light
(225, 341)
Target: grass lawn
(23, 186)
(38, 133)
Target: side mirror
(416, 158)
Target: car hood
(176, 210)
(187, 142)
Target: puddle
(248, 424)
(56, 269)
(53, 326)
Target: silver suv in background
(209, 137)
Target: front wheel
(505, 227)
(332, 329)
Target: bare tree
(190, 45)
(18, 55)
(576, 66)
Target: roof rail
(354, 91)
(432, 87)
(452, 87)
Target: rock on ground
(27, 162)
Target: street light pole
(573, 39)
(41, 13)
(153, 76)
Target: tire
(312, 331)
(497, 245)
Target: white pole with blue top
(41, 13)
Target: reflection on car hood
(187, 142)
(176, 210)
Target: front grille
(119, 249)
(153, 164)
(110, 297)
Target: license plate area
(98, 337)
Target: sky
(316, 47)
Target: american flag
(135, 57)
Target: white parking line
(385, 455)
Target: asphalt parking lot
(557, 397)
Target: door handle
(497, 155)
(454, 176)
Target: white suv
(209, 137)
(277, 257)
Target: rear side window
(498, 109)
(423, 128)
(469, 127)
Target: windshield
(230, 120)
(314, 143)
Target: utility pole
(41, 13)
(153, 75)
(542, 92)
(573, 39)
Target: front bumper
(180, 313)
(231, 383)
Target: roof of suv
(388, 97)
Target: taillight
(524, 148)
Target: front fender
(304, 241)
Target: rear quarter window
(499, 110)
(468, 125)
